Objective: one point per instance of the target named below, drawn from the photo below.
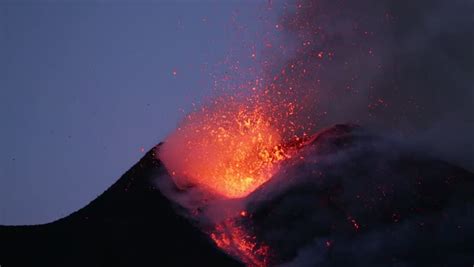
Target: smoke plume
(406, 67)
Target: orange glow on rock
(228, 148)
(236, 241)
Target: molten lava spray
(229, 148)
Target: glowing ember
(229, 149)
(236, 241)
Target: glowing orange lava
(228, 148)
(236, 241)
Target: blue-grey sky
(85, 85)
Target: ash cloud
(407, 67)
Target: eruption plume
(244, 166)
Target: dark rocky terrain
(353, 198)
(130, 224)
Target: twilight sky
(86, 85)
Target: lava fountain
(228, 148)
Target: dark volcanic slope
(130, 224)
(350, 198)
(358, 199)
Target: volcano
(346, 196)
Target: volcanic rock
(353, 198)
(130, 224)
